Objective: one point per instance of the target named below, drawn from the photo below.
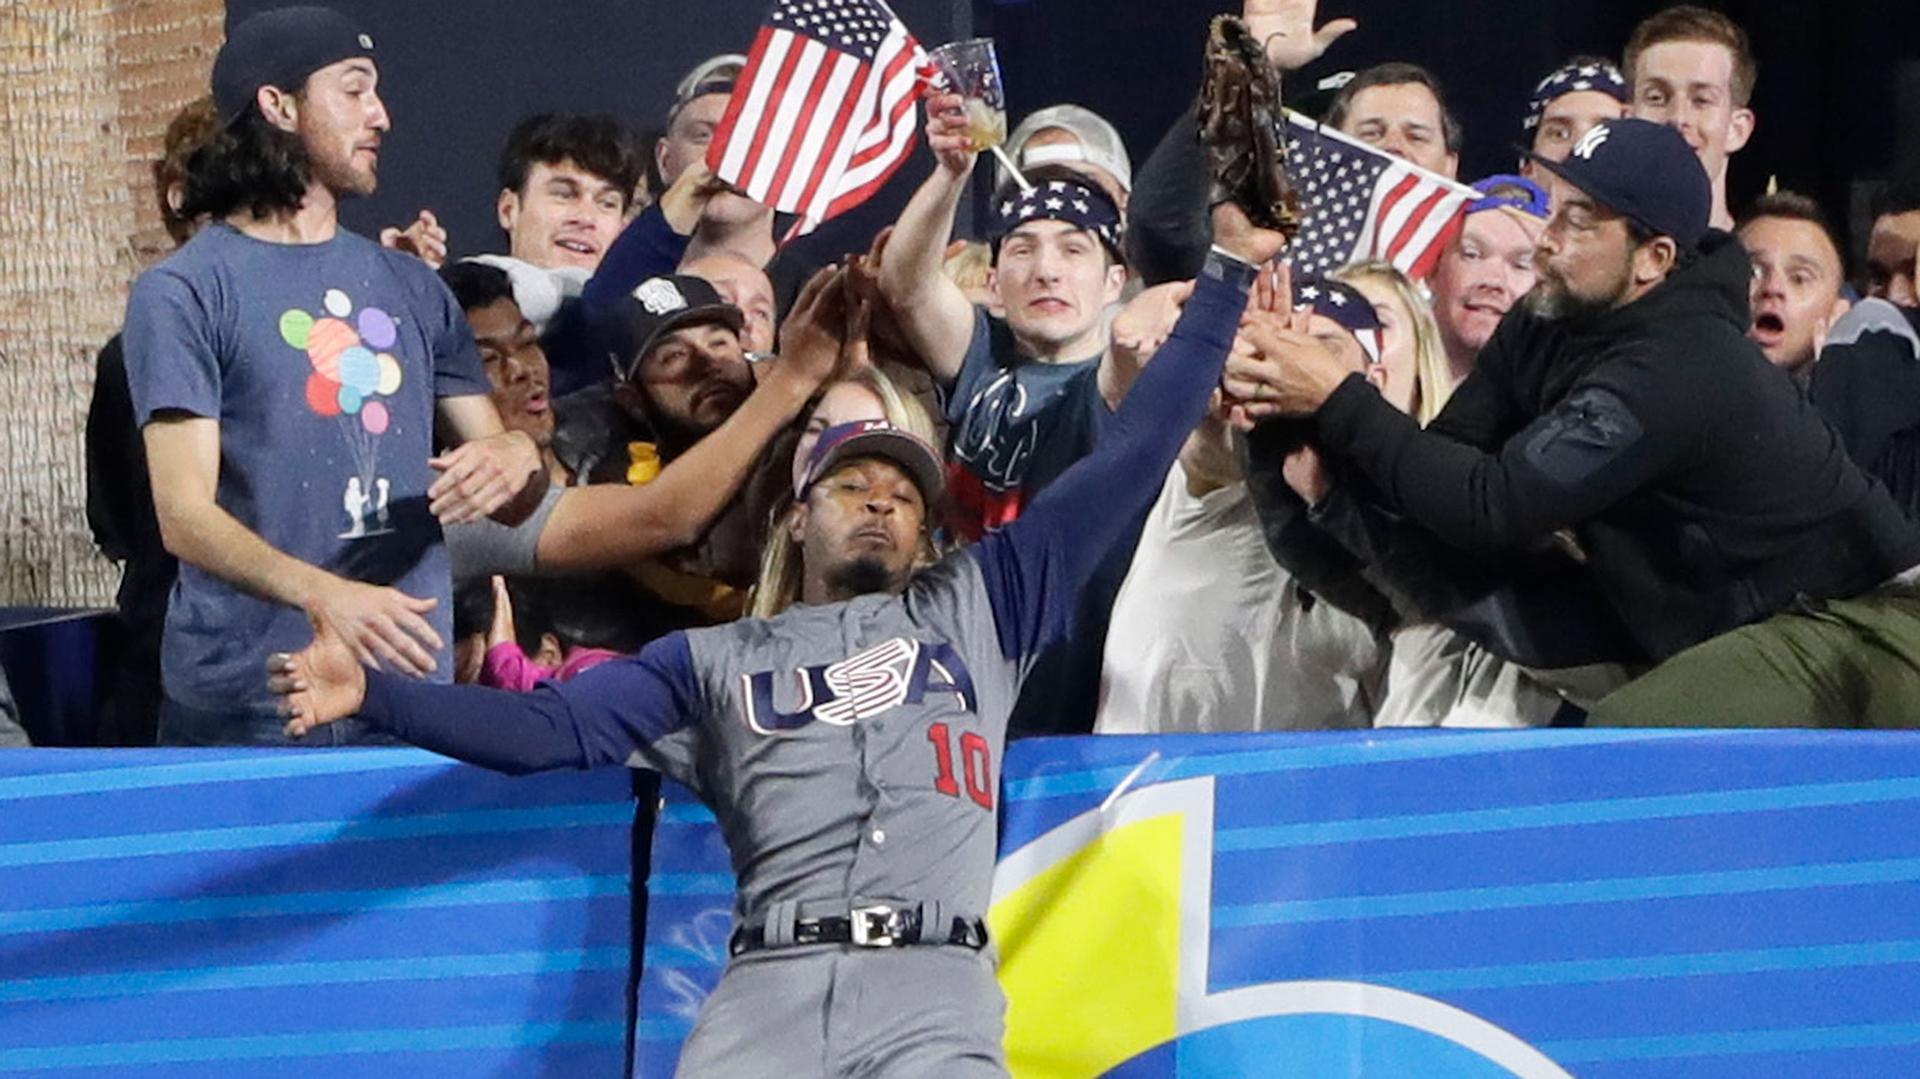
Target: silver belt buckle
(876, 926)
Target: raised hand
(1147, 320)
(685, 202)
(1235, 232)
(813, 337)
(1279, 369)
(425, 239)
(947, 133)
(319, 684)
(1286, 28)
(382, 628)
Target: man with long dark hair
(288, 375)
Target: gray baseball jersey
(851, 750)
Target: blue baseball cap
(1644, 171)
(281, 48)
(1504, 191)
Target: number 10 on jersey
(976, 761)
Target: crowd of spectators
(1618, 458)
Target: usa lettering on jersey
(895, 672)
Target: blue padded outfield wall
(1404, 904)
(1424, 904)
(333, 914)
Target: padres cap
(281, 48)
(875, 438)
(1644, 171)
(662, 305)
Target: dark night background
(1838, 99)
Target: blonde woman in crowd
(866, 393)
(1435, 678)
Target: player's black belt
(877, 925)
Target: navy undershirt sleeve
(589, 330)
(647, 247)
(1035, 567)
(602, 717)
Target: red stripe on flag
(775, 95)
(1412, 228)
(742, 87)
(810, 109)
(900, 60)
(852, 198)
(1399, 191)
(832, 146)
(894, 119)
(1430, 258)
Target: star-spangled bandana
(1574, 78)
(1343, 304)
(1078, 204)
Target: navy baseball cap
(1597, 75)
(281, 48)
(876, 438)
(1644, 171)
(661, 305)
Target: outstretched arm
(934, 314)
(1035, 568)
(608, 526)
(606, 715)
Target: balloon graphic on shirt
(352, 364)
(295, 328)
(326, 340)
(349, 354)
(376, 328)
(323, 394)
(359, 369)
(389, 373)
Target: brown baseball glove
(1240, 126)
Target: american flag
(1363, 204)
(824, 111)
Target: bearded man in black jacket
(1771, 581)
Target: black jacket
(1867, 384)
(1705, 490)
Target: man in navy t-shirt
(288, 375)
(1027, 396)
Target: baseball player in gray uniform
(850, 747)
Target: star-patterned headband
(1573, 78)
(1343, 304)
(1081, 205)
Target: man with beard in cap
(1742, 549)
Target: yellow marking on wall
(1089, 954)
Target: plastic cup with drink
(971, 70)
